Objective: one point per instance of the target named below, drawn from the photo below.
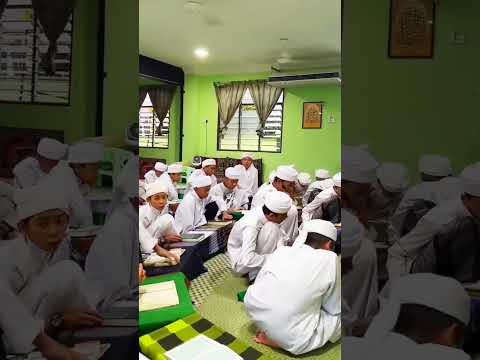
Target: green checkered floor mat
(218, 267)
(157, 343)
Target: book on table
(192, 237)
(157, 296)
(202, 347)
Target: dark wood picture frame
(412, 29)
(312, 115)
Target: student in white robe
(322, 182)
(37, 268)
(360, 287)
(7, 212)
(156, 225)
(306, 277)
(77, 177)
(324, 197)
(303, 181)
(228, 191)
(30, 170)
(284, 181)
(209, 166)
(436, 186)
(190, 213)
(172, 177)
(155, 174)
(387, 192)
(258, 234)
(405, 250)
(271, 177)
(425, 317)
(249, 175)
(117, 275)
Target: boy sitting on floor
(306, 277)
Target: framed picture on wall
(312, 115)
(411, 28)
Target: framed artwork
(411, 28)
(312, 115)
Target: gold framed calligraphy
(312, 115)
(411, 28)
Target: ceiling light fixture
(201, 53)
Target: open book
(202, 347)
(192, 237)
(157, 296)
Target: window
(23, 43)
(148, 123)
(241, 133)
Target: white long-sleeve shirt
(27, 173)
(233, 199)
(248, 179)
(315, 206)
(308, 283)
(151, 177)
(172, 190)
(316, 185)
(152, 225)
(190, 213)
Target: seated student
(248, 175)
(295, 301)
(425, 317)
(301, 186)
(156, 173)
(228, 191)
(190, 213)
(314, 210)
(156, 226)
(77, 177)
(37, 268)
(404, 251)
(437, 186)
(388, 190)
(30, 170)
(258, 234)
(7, 212)
(321, 183)
(284, 181)
(120, 236)
(209, 166)
(172, 177)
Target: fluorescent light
(201, 53)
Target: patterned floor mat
(218, 267)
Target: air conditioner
(291, 80)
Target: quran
(158, 296)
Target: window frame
(35, 64)
(259, 138)
(153, 132)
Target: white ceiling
(241, 35)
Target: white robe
(252, 239)
(190, 213)
(395, 346)
(150, 177)
(315, 206)
(316, 185)
(360, 286)
(290, 225)
(233, 199)
(309, 313)
(172, 190)
(27, 173)
(248, 180)
(436, 192)
(199, 172)
(152, 226)
(63, 177)
(42, 284)
(112, 261)
(404, 251)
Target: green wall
(172, 153)
(307, 149)
(404, 108)
(121, 59)
(78, 119)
